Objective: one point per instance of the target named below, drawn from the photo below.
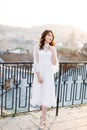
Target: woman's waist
(47, 63)
(45, 68)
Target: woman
(45, 61)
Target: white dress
(44, 93)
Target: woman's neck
(46, 44)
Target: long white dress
(44, 93)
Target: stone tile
(82, 128)
(78, 115)
(63, 125)
(25, 118)
(17, 122)
(72, 128)
(10, 126)
(45, 128)
(36, 114)
(23, 124)
(63, 117)
(34, 128)
(68, 124)
(4, 121)
(80, 122)
(57, 127)
(67, 119)
(51, 119)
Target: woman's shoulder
(36, 47)
(53, 47)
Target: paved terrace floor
(70, 118)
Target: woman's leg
(44, 110)
(43, 116)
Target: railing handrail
(17, 62)
(74, 62)
(27, 62)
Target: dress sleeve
(36, 60)
(56, 67)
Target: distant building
(18, 51)
(1, 52)
(1, 60)
(84, 49)
(14, 57)
(80, 44)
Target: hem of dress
(52, 105)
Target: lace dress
(44, 93)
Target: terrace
(16, 92)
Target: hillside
(13, 37)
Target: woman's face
(49, 37)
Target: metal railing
(72, 83)
(16, 86)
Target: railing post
(2, 71)
(60, 66)
(30, 82)
(16, 89)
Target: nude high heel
(42, 123)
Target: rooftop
(13, 57)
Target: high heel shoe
(42, 123)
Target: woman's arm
(54, 55)
(36, 64)
(39, 77)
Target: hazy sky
(29, 13)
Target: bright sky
(29, 13)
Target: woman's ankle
(43, 117)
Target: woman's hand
(39, 78)
(51, 48)
(54, 55)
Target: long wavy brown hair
(42, 39)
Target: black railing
(72, 84)
(16, 86)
